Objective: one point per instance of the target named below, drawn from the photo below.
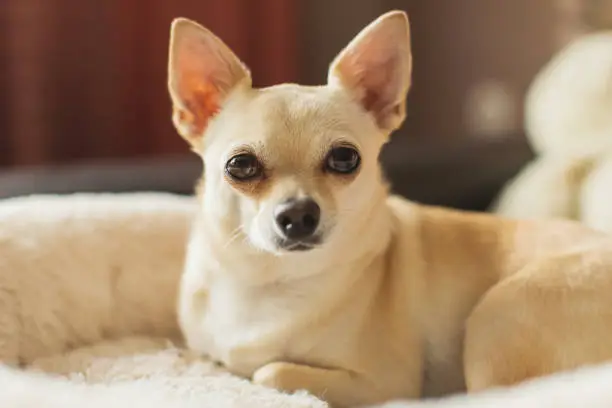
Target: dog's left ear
(202, 72)
(376, 69)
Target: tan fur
(400, 300)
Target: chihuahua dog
(303, 273)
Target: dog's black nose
(298, 219)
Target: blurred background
(84, 106)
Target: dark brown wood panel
(88, 79)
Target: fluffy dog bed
(87, 294)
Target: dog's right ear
(202, 71)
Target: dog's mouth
(302, 245)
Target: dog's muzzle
(297, 221)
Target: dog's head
(287, 166)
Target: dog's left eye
(243, 167)
(343, 160)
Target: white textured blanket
(87, 294)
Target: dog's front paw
(340, 388)
(281, 376)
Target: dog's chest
(245, 330)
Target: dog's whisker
(235, 234)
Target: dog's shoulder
(442, 219)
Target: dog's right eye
(243, 167)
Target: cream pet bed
(87, 294)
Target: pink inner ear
(375, 68)
(378, 83)
(196, 87)
(377, 79)
(201, 98)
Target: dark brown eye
(243, 167)
(342, 160)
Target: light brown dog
(302, 272)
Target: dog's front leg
(340, 388)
